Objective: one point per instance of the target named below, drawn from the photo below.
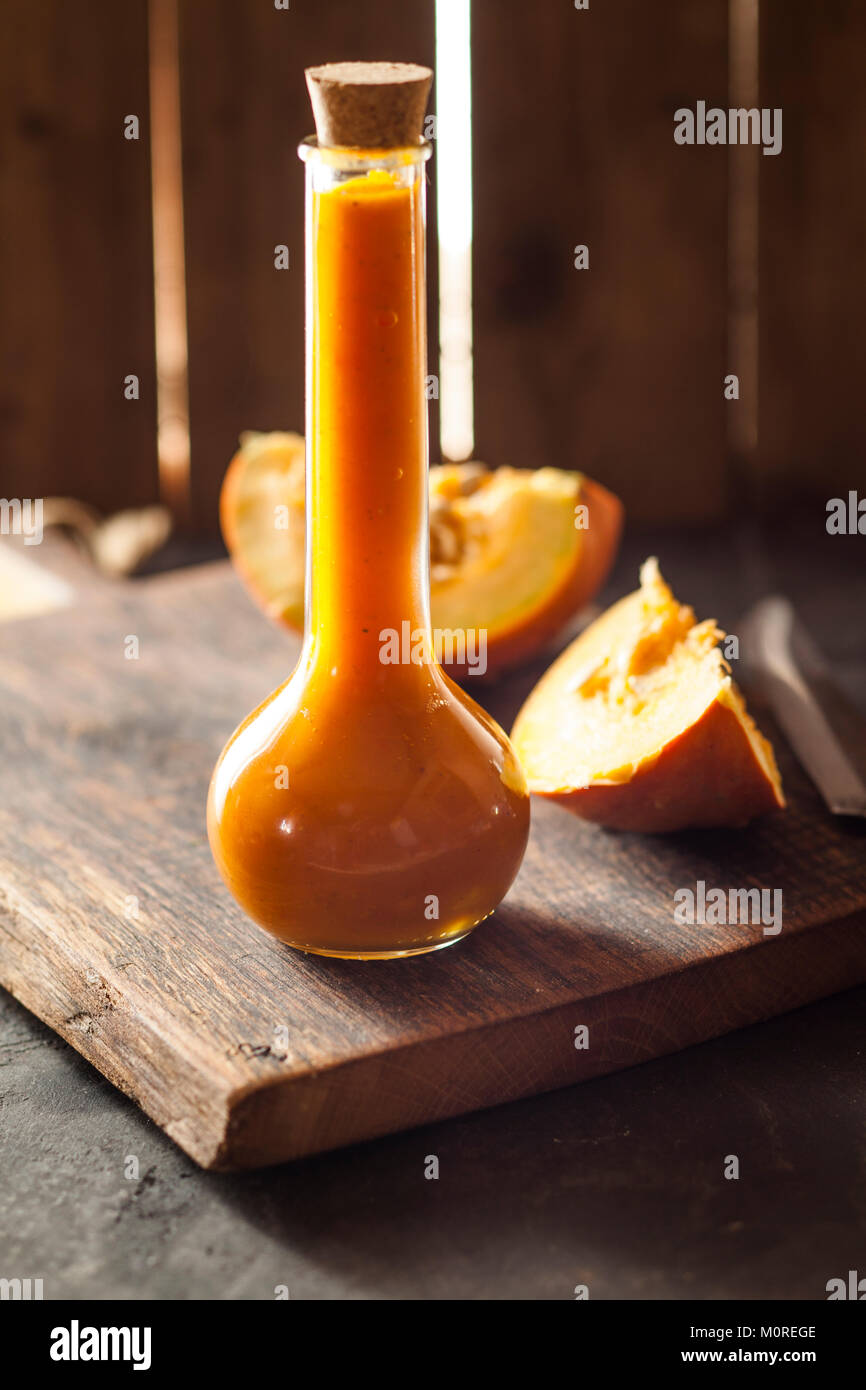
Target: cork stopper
(371, 106)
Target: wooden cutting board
(116, 930)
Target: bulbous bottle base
(381, 827)
(426, 950)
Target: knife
(797, 684)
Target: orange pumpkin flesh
(514, 552)
(262, 521)
(638, 725)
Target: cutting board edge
(260, 1115)
(56, 996)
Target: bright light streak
(454, 226)
(172, 398)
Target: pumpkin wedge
(514, 553)
(639, 726)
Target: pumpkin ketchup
(368, 415)
(368, 808)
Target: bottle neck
(367, 548)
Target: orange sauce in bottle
(368, 808)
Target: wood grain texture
(245, 110)
(617, 370)
(812, 352)
(76, 258)
(115, 929)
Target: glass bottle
(368, 808)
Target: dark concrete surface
(617, 1184)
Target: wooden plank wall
(245, 108)
(812, 306)
(76, 262)
(618, 369)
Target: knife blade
(797, 683)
